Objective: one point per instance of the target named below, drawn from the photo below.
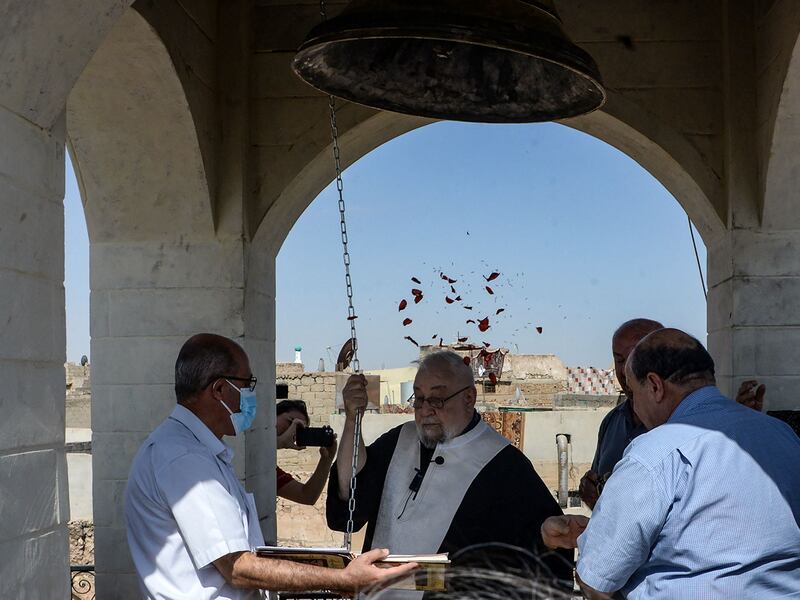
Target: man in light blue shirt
(704, 505)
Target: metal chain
(351, 313)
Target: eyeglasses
(251, 381)
(417, 401)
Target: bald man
(706, 504)
(443, 482)
(621, 425)
(191, 525)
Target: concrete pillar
(34, 500)
(141, 315)
(754, 312)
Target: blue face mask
(243, 419)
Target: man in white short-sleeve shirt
(190, 523)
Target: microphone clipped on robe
(416, 483)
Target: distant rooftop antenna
(298, 359)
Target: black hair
(677, 364)
(201, 359)
(285, 406)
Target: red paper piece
(468, 307)
(412, 340)
(403, 304)
(463, 339)
(493, 276)
(416, 292)
(493, 378)
(483, 324)
(353, 318)
(467, 360)
(448, 299)
(539, 329)
(490, 290)
(470, 320)
(434, 336)
(415, 280)
(407, 321)
(418, 299)
(499, 310)
(458, 298)
(487, 344)
(452, 289)
(451, 281)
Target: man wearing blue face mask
(190, 523)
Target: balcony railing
(82, 579)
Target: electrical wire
(697, 258)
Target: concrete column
(754, 312)
(34, 500)
(147, 299)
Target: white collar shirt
(184, 509)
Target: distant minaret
(297, 358)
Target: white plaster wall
(541, 428)
(34, 500)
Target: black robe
(506, 503)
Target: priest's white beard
(434, 433)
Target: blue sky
(582, 236)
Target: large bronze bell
(492, 61)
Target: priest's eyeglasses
(417, 401)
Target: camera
(314, 436)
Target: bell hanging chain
(351, 313)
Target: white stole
(417, 525)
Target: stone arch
(134, 143)
(663, 152)
(780, 169)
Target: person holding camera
(191, 524)
(291, 423)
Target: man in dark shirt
(621, 425)
(444, 482)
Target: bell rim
(582, 65)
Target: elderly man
(445, 481)
(706, 504)
(190, 523)
(621, 425)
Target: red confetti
(499, 310)
(407, 322)
(415, 280)
(493, 378)
(468, 307)
(412, 340)
(434, 336)
(418, 299)
(458, 298)
(452, 289)
(403, 304)
(490, 290)
(443, 276)
(467, 360)
(353, 318)
(470, 320)
(483, 324)
(463, 339)
(416, 292)
(451, 281)
(487, 344)
(448, 299)
(493, 276)
(539, 330)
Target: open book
(429, 576)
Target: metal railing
(82, 582)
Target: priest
(445, 482)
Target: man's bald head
(674, 355)
(623, 341)
(203, 357)
(664, 368)
(449, 364)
